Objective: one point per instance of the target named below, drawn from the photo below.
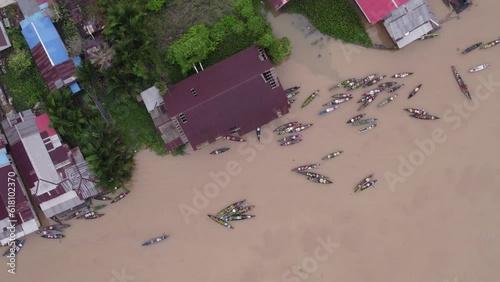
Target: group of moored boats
(53, 231)
(291, 128)
(234, 212)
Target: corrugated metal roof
(376, 10)
(4, 38)
(60, 204)
(151, 98)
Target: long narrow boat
(395, 88)
(85, 215)
(402, 74)
(77, 213)
(238, 217)
(461, 83)
(292, 89)
(386, 85)
(312, 174)
(387, 101)
(415, 111)
(363, 82)
(372, 92)
(297, 129)
(54, 227)
(332, 155)
(289, 129)
(374, 81)
(306, 167)
(220, 221)
(289, 138)
(50, 236)
(343, 83)
(364, 121)
(234, 138)
(365, 98)
(471, 48)
(101, 198)
(94, 216)
(291, 142)
(329, 110)
(362, 130)
(424, 117)
(282, 127)
(490, 44)
(319, 180)
(219, 151)
(342, 95)
(119, 197)
(258, 131)
(364, 181)
(414, 91)
(337, 101)
(366, 185)
(355, 118)
(479, 68)
(366, 103)
(292, 94)
(156, 240)
(428, 36)
(53, 232)
(15, 247)
(225, 211)
(239, 210)
(310, 98)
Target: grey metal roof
(28, 7)
(151, 98)
(410, 21)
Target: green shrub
(155, 5)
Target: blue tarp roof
(77, 61)
(75, 88)
(38, 29)
(3, 158)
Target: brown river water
(432, 216)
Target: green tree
(278, 49)
(19, 61)
(257, 26)
(244, 9)
(191, 48)
(155, 5)
(87, 74)
(226, 27)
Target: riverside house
(57, 177)
(234, 96)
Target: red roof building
(23, 220)
(277, 4)
(376, 10)
(57, 177)
(236, 95)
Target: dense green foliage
(155, 5)
(23, 81)
(333, 17)
(108, 156)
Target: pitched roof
(151, 98)
(277, 4)
(376, 10)
(43, 123)
(4, 38)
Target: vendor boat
(328, 110)
(395, 88)
(313, 174)
(374, 81)
(310, 98)
(296, 129)
(363, 82)
(356, 118)
(429, 36)
(102, 198)
(424, 117)
(234, 138)
(306, 167)
(490, 44)
(471, 48)
(386, 101)
(386, 85)
(362, 130)
(219, 151)
(221, 222)
(402, 74)
(414, 91)
(292, 89)
(237, 217)
(319, 180)
(366, 103)
(365, 185)
(364, 121)
(94, 216)
(291, 142)
(372, 92)
(479, 68)
(291, 95)
(332, 155)
(55, 236)
(228, 209)
(366, 98)
(155, 240)
(15, 247)
(284, 126)
(416, 111)
(461, 83)
(54, 227)
(53, 232)
(290, 138)
(119, 197)
(258, 131)
(239, 210)
(344, 83)
(342, 95)
(337, 101)
(363, 182)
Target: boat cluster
(53, 231)
(291, 128)
(234, 212)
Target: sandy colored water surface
(437, 222)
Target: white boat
(479, 68)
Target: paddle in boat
(292, 89)
(429, 36)
(387, 101)
(219, 151)
(363, 182)
(258, 131)
(284, 126)
(479, 68)
(225, 211)
(402, 74)
(310, 98)
(101, 197)
(332, 155)
(364, 121)
(291, 142)
(415, 111)
(306, 167)
(220, 221)
(155, 240)
(374, 81)
(365, 185)
(471, 48)
(329, 110)
(490, 44)
(424, 117)
(356, 118)
(289, 138)
(234, 138)
(395, 88)
(362, 130)
(342, 95)
(94, 216)
(15, 247)
(119, 197)
(414, 91)
(50, 236)
(461, 83)
(237, 217)
(319, 180)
